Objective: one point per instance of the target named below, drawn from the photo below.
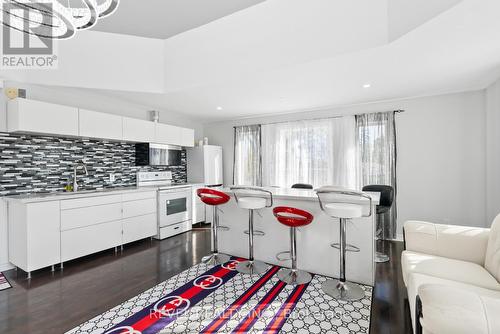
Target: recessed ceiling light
(219, 108)
(367, 85)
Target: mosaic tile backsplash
(33, 163)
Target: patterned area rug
(4, 283)
(218, 299)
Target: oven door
(174, 206)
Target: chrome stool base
(342, 290)
(251, 267)
(381, 257)
(294, 277)
(215, 259)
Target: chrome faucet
(75, 168)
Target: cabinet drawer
(91, 239)
(87, 216)
(169, 231)
(139, 208)
(138, 195)
(137, 228)
(90, 201)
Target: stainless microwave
(148, 154)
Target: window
(318, 152)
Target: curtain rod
(316, 119)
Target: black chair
(302, 186)
(385, 204)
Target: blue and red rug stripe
(285, 310)
(225, 316)
(153, 318)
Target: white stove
(174, 202)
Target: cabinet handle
(176, 228)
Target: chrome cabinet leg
(52, 268)
(215, 258)
(251, 266)
(29, 274)
(339, 288)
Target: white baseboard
(6, 266)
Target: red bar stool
(293, 218)
(214, 198)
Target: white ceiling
(166, 18)
(292, 55)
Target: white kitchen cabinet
(90, 239)
(139, 216)
(200, 212)
(168, 134)
(187, 137)
(139, 227)
(138, 130)
(34, 235)
(92, 215)
(41, 117)
(95, 124)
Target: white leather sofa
(455, 272)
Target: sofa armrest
(446, 309)
(451, 241)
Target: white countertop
(56, 196)
(302, 194)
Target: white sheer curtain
(247, 155)
(318, 152)
(377, 156)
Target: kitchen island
(314, 253)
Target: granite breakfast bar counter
(314, 253)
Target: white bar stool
(329, 202)
(252, 198)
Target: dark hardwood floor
(56, 302)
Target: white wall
(441, 154)
(493, 150)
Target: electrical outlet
(112, 178)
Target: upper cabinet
(138, 130)
(168, 134)
(95, 124)
(33, 116)
(187, 137)
(174, 135)
(41, 117)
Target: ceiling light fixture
(55, 19)
(219, 108)
(367, 85)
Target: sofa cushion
(416, 280)
(492, 261)
(451, 241)
(456, 270)
(448, 309)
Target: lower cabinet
(90, 239)
(140, 227)
(34, 237)
(42, 234)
